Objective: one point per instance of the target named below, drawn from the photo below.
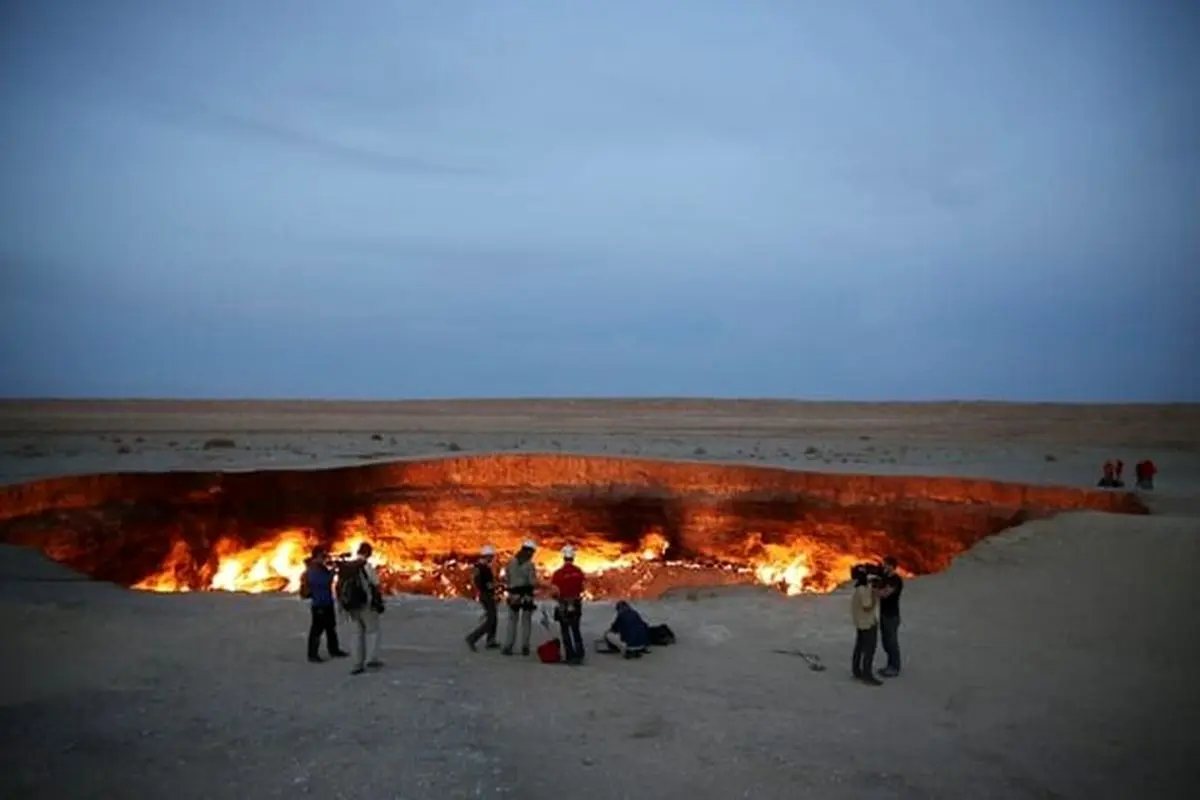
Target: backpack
(351, 585)
(661, 635)
(305, 591)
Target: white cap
(487, 550)
(528, 545)
(568, 552)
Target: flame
(276, 565)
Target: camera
(865, 572)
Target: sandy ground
(1048, 662)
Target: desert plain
(1054, 660)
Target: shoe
(358, 670)
(471, 645)
(524, 651)
(889, 673)
(871, 681)
(506, 651)
(339, 654)
(315, 659)
(374, 663)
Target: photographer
(864, 611)
(891, 585)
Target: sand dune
(1051, 661)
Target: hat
(528, 544)
(487, 550)
(568, 552)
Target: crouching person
(628, 633)
(521, 581)
(361, 599)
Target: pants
(863, 665)
(889, 632)
(367, 636)
(488, 626)
(525, 617)
(613, 639)
(324, 621)
(569, 618)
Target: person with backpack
(568, 581)
(361, 599)
(316, 586)
(485, 586)
(521, 581)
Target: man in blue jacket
(318, 580)
(628, 633)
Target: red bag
(550, 652)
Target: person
(521, 581)
(1144, 472)
(568, 582)
(361, 598)
(318, 583)
(864, 611)
(628, 633)
(1108, 478)
(890, 588)
(1119, 472)
(485, 587)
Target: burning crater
(641, 526)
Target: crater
(642, 527)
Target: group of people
(351, 586)
(1112, 474)
(875, 611)
(628, 634)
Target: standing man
(864, 611)
(361, 598)
(318, 584)
(890, 588)
(485, 587)
(521, 578)
(568, 588)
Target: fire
(276, 565)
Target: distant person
(361, 598)
(864, 611)
(568, 582)
(520, 577)
(317, 586)
(1119, 472)
(1108, 478)
(485, 588)
(891, 585)
(628, 633)
(1144, 473)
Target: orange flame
(276, 565)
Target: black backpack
(351, 585)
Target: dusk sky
(900, 199)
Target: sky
(900, 200)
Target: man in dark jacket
(318, 578)
(485, 588)
(628, 633)
(889, 616)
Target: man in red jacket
(568, 589)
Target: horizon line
(616, 399)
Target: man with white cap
(485, 586)
(568, 589)
(521, 580)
